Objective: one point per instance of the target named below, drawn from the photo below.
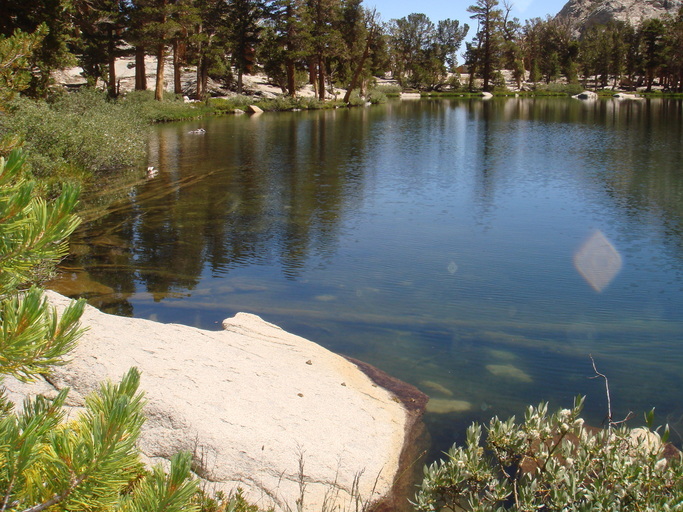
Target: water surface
(438, 240)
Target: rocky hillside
(585, 13)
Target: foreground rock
(260, 408)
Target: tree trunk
(177, 64)
(203, 79)
(357, 73)
(159, 89)
(200, 51)
(313, 76)
(111, 85)
(291, 78)
(140, 72)
(321, 78)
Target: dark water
(437, 240)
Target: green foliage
(388, 90)
(15, 52)
(558, 89)
(551, 462)
(172, 108)
(79, 133)
(47, 462)
(422, 53)
(31, 231)
(377, 97)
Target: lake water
(481, 251)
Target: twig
(609, 400)
(610, 422)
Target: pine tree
(488, 41)
(46, 462)
(243, 19)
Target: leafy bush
(356, 100)
(223, 105)
(173, 108)
(377, 97)
(388, 89)
(76, 134)
(552, 462)
(559, 89)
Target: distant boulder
(586, 95)
(253, 109)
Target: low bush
(173, 108)
(377, 97)
(388, 90)
(75, 135)
(558, 89)
(552, 462)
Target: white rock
(586, 95)
(486, 95)
(249, 402)
(253, 109)
(626, 96)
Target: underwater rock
(436, 387)
(78, 283)
(507, 371)
(445, 406)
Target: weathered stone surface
(486, 95)
(250, 402)
(586, 13)
(253, 109)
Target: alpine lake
(482, 251)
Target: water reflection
(435, 239)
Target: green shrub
(551, 462)
(559, 89)
(388, 89)
(227, 105)
(76, 134)
(173, 108)
(356, 100)
(377, 97)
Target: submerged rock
(436, 387)
(445, 406)
(251, 402)
(507, 371)
(253, 109)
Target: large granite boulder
(260, 408)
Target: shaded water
(437, 240)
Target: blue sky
(457, 9)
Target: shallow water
(443, 241)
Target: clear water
(437, 240)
